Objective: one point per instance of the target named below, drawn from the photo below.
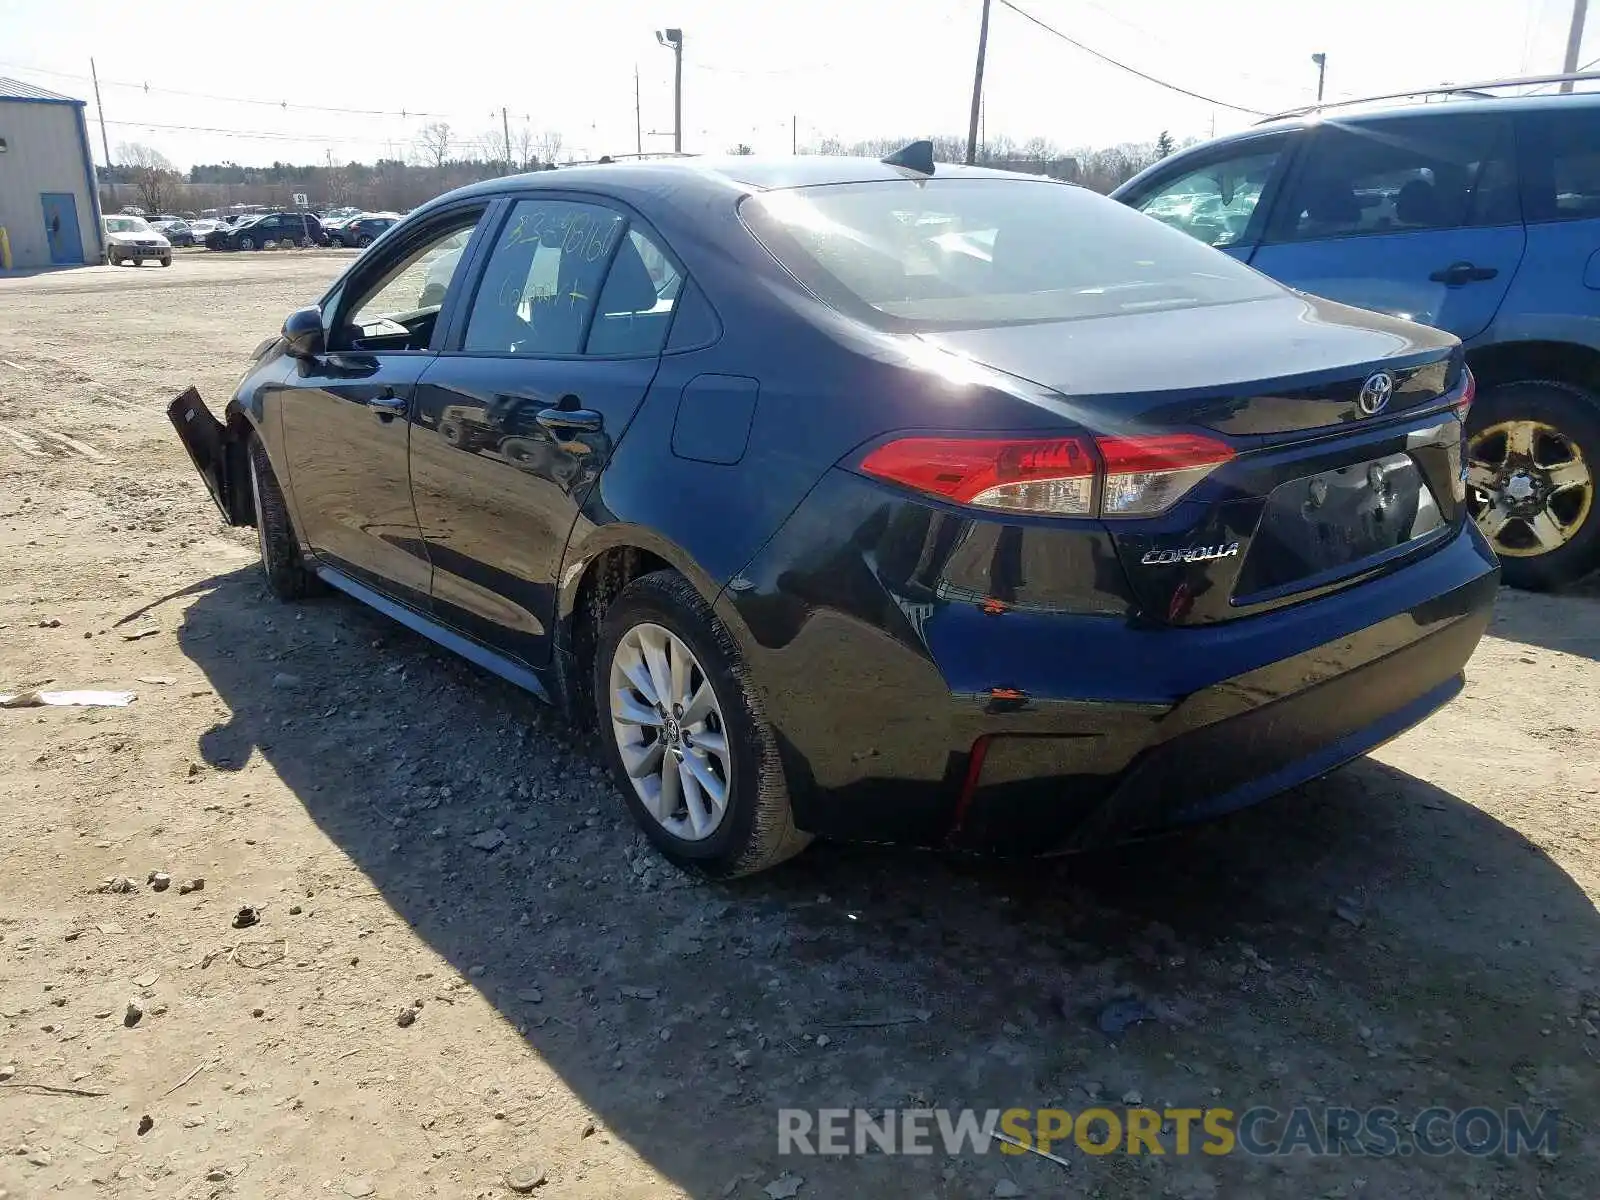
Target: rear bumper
(1104, 727)
(1225, 764)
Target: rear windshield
(955, 253)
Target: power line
(258, 134)
(1166, 41)
(282, 105)
(1106, 58)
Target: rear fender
(219, 453)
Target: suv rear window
(953, 253)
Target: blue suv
(1478, 214)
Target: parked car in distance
(362, 230)
(176, 230)
(134, 240)
(201, 228)
(897, 502)
(256, 233)
(1480, 216)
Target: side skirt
(474, 653)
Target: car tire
(247, 243)
(755, 828)
(113, 258)
(1566, 421)
(287, 575)
(305, 243)
(166, 260)
(364, 241)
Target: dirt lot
(1417, 929)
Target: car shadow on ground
(1568, 621)
(1368, 939)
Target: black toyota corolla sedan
(874, 500)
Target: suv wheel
(1533, 453)
(247, 242)
(685, 735)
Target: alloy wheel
(670, 732)
(1529, 488)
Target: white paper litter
(84, 699)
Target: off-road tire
(1576, 413)
(757, 831)
(287, 574)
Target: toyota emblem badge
(1375, 393)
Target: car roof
(733, 174)
(1455, 104)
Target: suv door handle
(1458, 273)
(569, 420)
(386, 404)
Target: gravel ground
(416, 838)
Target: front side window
(543, 279)
(955, 253)
(399, 298)
(1214, 203)
(1401, 175)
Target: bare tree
(1038, 149)
(524, 147)
(549, 144)
(151, 173)
(434, 142)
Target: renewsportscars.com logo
(1258, 1132)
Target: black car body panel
(1029, 681)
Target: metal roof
(15, 89)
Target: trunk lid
(1328, 485)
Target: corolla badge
(1375, 393)
(1189, 554)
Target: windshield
(127, 225)
(958, 253)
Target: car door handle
(570, 420)
(1459, 273)
(387, 404)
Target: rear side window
(1401, 176)
(953, 253)
(568, 278)
(543, 279)
(1562, 151)
(637, 300)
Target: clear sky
(845, 68)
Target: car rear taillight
(1147, 475)
(1030, 475)
(1469, 392)
(1137, 476)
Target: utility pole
(977, 87)
(638, 120)
(1322, 69)
(505, 125)
(673, 39)
(794, 133)
(104, 143)
(1569, 66)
